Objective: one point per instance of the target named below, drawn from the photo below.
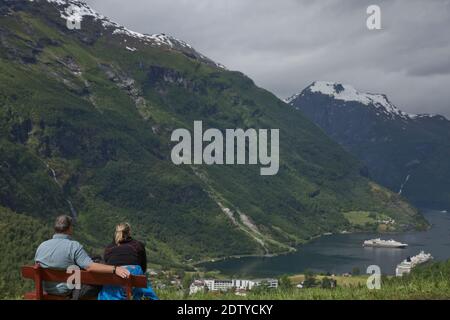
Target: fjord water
(342, 252)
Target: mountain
(407, 153)
(86, 117)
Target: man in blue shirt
(61, 251)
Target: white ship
(384, 243)
(406, 265)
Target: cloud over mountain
(285, 45)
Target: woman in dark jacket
(126, 252)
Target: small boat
(384, 243)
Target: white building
(234, 284)
(272, 283)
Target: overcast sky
(284, 45)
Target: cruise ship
(384, 243)
(406, 265)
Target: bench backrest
(39, 274)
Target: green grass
(425, 282)
(363, 218)
(342, 281)
(359, 218)
(19, 237)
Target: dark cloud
(285, 45)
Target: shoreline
(277, 254)
(239, 256)
(196, 266)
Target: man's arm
(83, 260)
(103, 268)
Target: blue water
(341, 253)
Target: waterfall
(72, 209)
(403, 184)
(54, 176)
(73, 212)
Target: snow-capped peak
(348, 93)
(77, 10)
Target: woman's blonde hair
(123, 232)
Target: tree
(356, 271)
(310, 280)
(328, 283)
(186, 281)
(285, 283)
(263, 287)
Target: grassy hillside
(85, 121)
(19, 238)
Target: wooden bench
(39, 274)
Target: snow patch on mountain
(76, 10)
(292, 98)
(428, 115)
(348, 93)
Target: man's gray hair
(63, 223)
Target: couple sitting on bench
(123, 257)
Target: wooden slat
(29, 272)
(39, 290)
(129, 291)
(45, 296)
